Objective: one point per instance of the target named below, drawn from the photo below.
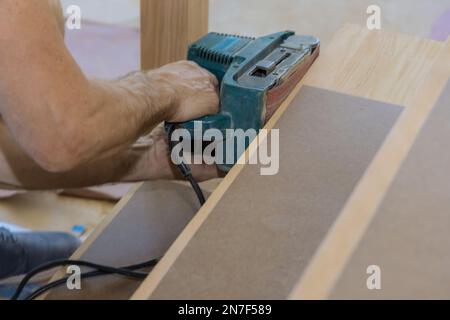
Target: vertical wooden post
(168, 26)
(58, 13)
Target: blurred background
(108, 44)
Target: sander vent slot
(227, 35)
(214, 56)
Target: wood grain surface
(265, 229)
(345, 235)
(168, 27)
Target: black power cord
(100, 269)
(86, 275)
(52, 285)
(187, 173)
(127, 272)
(184, 168)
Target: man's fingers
(215, 104)
(212, 77)
(205, 72)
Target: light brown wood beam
(167, 28)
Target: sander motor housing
(255, 75)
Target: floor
(107, 46)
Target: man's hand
(192, 91)
(185, 92)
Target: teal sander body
(255, 76)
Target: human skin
(62, 130)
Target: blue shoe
(21, 252)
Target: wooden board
(274, 228)
(379, 65)
(369, 53)
(340, 244)
(168, 27)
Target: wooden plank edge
(337, 248)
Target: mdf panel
(265, 229)
(168, 27)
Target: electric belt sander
(255, 74)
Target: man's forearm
(57, 115)
(19, 171)
(118, 114)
